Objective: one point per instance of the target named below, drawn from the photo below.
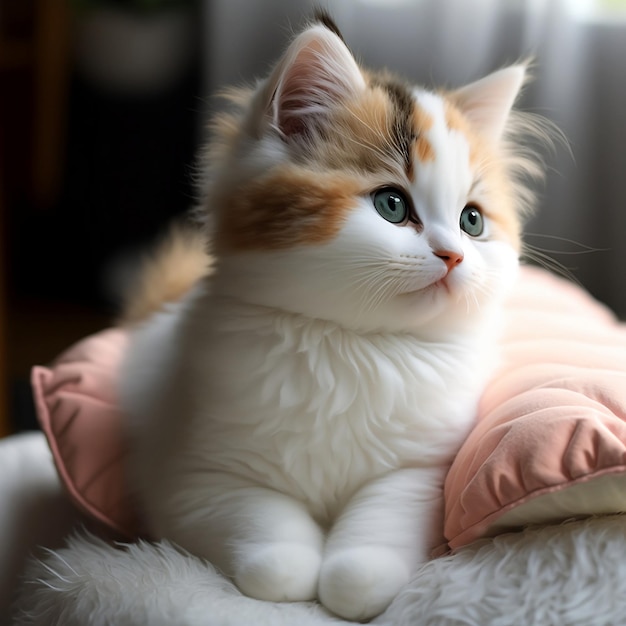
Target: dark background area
(119, 167)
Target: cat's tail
(168, 273)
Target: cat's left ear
(487, 102)
(315, 74)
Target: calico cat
(293, 416)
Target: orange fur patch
(299, 205)
(424, 148)
(505, 217)
(362, 137)
(422, 120)
(455, 120)
(422, 123)
(178, 263)
(287, 207)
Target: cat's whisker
(468, 296)
(371, 286)
(546, 261)
(388, 288)
(471, 300)
(584, 248)
(483, 284)
(483, 290)
(378, 294)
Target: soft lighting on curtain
(597, 10)
(386, 3)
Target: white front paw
(279, 572)
(359, 583)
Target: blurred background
(103, 105)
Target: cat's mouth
(440, 284)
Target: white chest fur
(304, 406)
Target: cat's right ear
(487, 102)
(314, 75)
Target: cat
(293, 415)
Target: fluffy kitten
(293, 416)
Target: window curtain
(579, 82)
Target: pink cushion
(551, 422)
(77, 410)
(550, 443)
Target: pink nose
(449, 257)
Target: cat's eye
(391, 204)
(472, 221)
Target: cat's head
(351, 196)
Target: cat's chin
(439, 286)
(440, 290)
(443, 305)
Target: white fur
(567, 575)
(283, 426)
(271, 428)
(293, 419)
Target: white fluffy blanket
(572, 574)
(568, 575)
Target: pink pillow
(550, 443)
(76, 404)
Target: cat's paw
(359, 583)
(279, 572)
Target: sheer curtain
(579, 49)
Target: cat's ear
(317, 72)
(487, 102)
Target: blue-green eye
(472, 221)
(391, 204)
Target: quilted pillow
(550, 442)
(76, 404)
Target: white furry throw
(568, 575)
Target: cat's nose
(449, 257)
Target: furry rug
(572, 574)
